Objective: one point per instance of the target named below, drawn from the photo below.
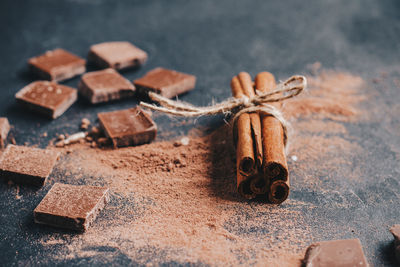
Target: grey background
(213, 40)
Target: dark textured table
(215, 40)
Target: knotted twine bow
(258, 103)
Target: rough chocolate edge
(311, 252)
(141, 138)
(20, 178)
(75, 71)
(4, 133)
(95, 59)
(66, 104)
(77, 224)
(93, 98)
(182, 87)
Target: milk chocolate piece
(105, 85)
(335, 253)
(27, 165)
(57, 65)
(168, 83)
(71, 206)
(117, 55)
(4, 129)
(395, 230)
(128, 127)
(48, 98)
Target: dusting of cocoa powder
(178, 203)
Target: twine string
(238, 106)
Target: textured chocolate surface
(117, 55)
(4, 129)
(105, 85)
(336, 253)
(27, 165)
(57, 65)
(71, 206)
(168, 83)
(128, 127)
(48, 98)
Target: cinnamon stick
(275, 168)
(246, 165)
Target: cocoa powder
(178, 203)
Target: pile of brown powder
(179, 203)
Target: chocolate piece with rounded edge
(71, 206)
(57, 65)
(168, 83)
(27, 165)
(335, 253)
(48, 98)
(105, 85)
(4, 129)
(128, 127)
(116, 55)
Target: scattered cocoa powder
(178, 203)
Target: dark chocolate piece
(27, 165)
(105, 85)
(116, 55)
(168, 83)
(49, 98)
(71, 206)
(335, 253)
(4, 129)
(395, 230)
(57, 65)
(128, 127)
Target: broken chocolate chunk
(27, 165)
(116, 55)
(48, 98)
(71, 206)
(4, 129)
(128, 127)
(168, 83)
(395, 230)
(105, 85)
(335, 253)
(57, 65)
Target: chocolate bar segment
(128, 127)
(57, 65)
(168, 83)
(48, 98)
(105, 85)
(116, 55)
(71, 206)
(4, 129)
(27, 165)
(336, 253)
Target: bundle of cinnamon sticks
(260, 147)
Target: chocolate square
(27, 165)
(128, 127)
(57, 65)
(4, 129)
(105, 85)
(49, 98)
(168, 83)
(116, 55)
(71, 206)
(347, 252)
